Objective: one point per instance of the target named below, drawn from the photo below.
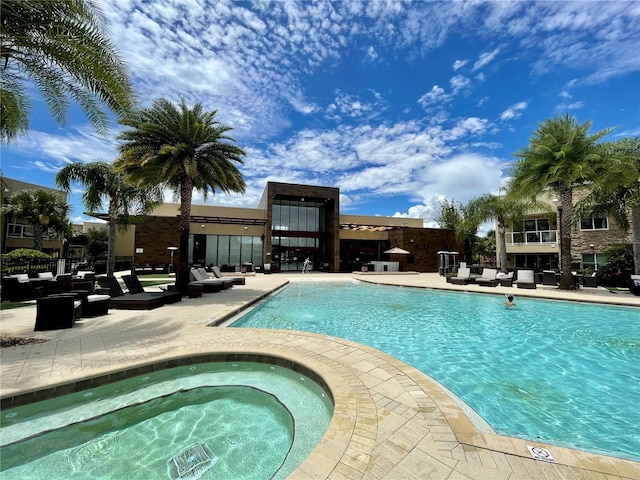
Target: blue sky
(399, 104)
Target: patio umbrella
(398, 251)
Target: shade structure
(398, 251)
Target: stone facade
(154, 235)
(423, 243)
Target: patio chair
(505, 279)
(635, 284)
(525, 279)
(56, 311)
(463, 277)
(590, 281)
(129, 301)
(93, 304)
(549, 277)
(134, 286)
(488, 278)
(240, 280)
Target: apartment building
(534, 242)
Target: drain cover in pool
(191, 463)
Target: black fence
(33, 266)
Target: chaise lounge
(218, 274)
(135, 287)
(209, 285)
(129, 301)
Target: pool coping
(390, 421)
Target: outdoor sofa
(488, 278)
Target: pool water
(560, 372)
(255, 422)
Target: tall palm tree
(42, 210)
(103, 182)
(504, 211)
(618, 194)
(60, 46)
(183, 149)
(561, 155)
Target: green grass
(150, 283)
(10, 305)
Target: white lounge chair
(525, 279)
(488, 277)
(463, 277)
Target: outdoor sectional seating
(93, 304)
(129, 301)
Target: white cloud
(485, 58)
(514, 111)
(435, 96)
(458, 83)
(458, 64)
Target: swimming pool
(559, 372)
(217, 420)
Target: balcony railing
(18, 230)
(540, 237)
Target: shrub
(26, 253)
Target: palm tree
(619, 193)
(103, 182)
(42, 210)
(458, 217)
(504, 211)
(182, 149)
(60, 46)
(561, 155)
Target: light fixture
(203, 225)
(591, 245)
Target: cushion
(48, 275)
(197, 275)
(22, 277)
(217, 272)
(97, 298)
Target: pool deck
(390, 420)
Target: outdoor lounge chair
(464, 276)
(129, 301)
(525, 279)
(134, 286)
(218, 274)
(56, 311)
(505, 279)
(488, 278)
(208, 284)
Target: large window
(593, 260)
(535, 230)
(231, 250)
(595, 221)
(296, 216)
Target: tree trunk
(38, 233)
(635, 229)
(111, 240)
(182, 275)
(566, 224)
(502, 235)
